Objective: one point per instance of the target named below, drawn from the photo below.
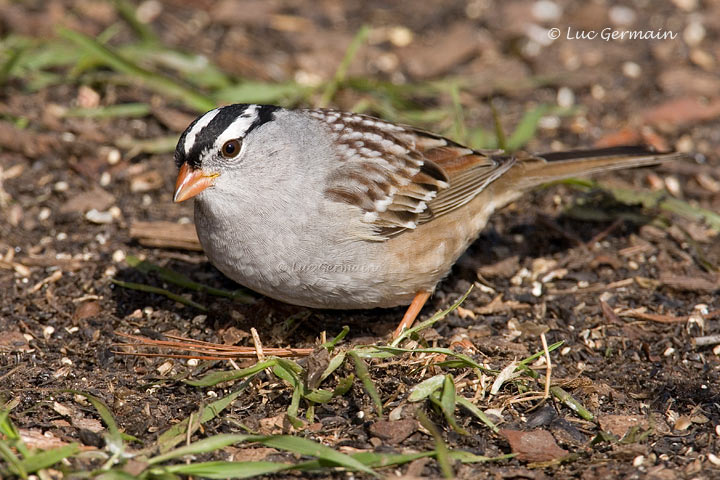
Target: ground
(631, 290)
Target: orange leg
(412, 312)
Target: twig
(165, 235)
(548, 370)
(258, 344)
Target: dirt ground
(633, 287)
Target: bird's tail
(550, 167)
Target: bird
(329, 209)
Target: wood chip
(166, 235)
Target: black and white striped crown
(213, 129)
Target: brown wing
(402, 177)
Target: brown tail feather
(545, 168)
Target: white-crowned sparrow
(329, 209)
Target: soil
(630, 303)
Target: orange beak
(190, 182)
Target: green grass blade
(6, 69)
(431, 321)
(335, 363)
(572, 403)
(129, 110)
(460, 132)
(14, 464)
(155, 81)
(103, 411)
(143, 30)
(527, 127)
(499, 131)
(361, 370)
(448, 404)
(371, 460)
(303, 446)
(330, 344)
(467, 457)
(222, 469)
(341, 72)
(464, 402)
(209, 444)
(426, 388)
(258, 92)
(48, 458)
(178, 432)
(160, 291)
(467, 361)
(442, 454)
(539, 354)
(343, 386)
(212, 379)
(171, 276)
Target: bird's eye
(231, 148)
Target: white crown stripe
(199, 125)
(238, 127)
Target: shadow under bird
(330, 209)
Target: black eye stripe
(207, 136)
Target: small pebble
(61, 236)
(565, 351)
(638, 461)
(673, 186)
(105, 179)
(685, 144)
(118, 256)
(115, 212)
(95, 216)
(546, 11)
(668, 352)
(687, 5)
(565, 97)
(621, 15)
(61, 186)
(631, 70)
(113, 156)
(48, 331)
(44, 214)
(537, 289)
(165, 367)
(549, 122)
(66, 361)
(148, 11)
(400, 36)
(694, 33)
(714, 459)
(702, 59)
(597, 92)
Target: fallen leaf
(533, 446)
(97, 199)
(681, 112)
(394, 432)
(619, 425)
